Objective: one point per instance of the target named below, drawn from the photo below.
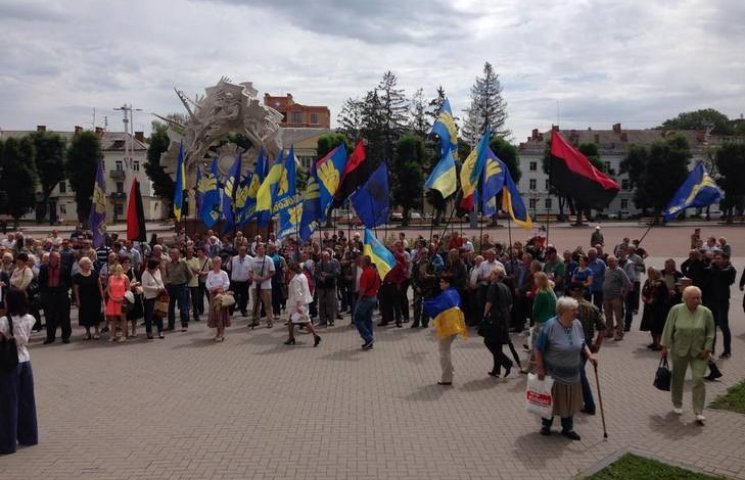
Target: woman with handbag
(152, 288)
(495, 326)
(558, 351)
(298, 299)
(17, 402)
(217, 285)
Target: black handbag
(488, 328)
(8, 350)
(662, 377)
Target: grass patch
(632, 467)
(733, 400)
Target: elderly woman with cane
(688, 338)
(558, 352)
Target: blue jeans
(17, 408)
(148, 307)
(567, 423)
(178, 293)
(586, 390)
(363, 318)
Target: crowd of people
(569, 302)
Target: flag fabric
(445, 309)
(444, 127)
(311, 206)
(371, 202)
(329, 171)
(197, 193)
(179, 187)
(266, 195)
(492, 181)
(357, 171)
(136, 215)
(444, 177)
(241, 199)
(512, 202)
(381, 257)
(261, 170)
(229, 191)
(699, 190)
(288, 205)
(209, 192)
(97, 216)
(471, 171)
(573, 175)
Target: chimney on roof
(140, 136)
(534, 135)
(624, 137)
(616, 128)
(99, 131)
(41, 128)
(540, 137)
(78, 129)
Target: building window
(532, 184)
(533, 203)
(119, 187)
(63, 209)
(314, 119)
(136, 165)
(297, 117)
(625, 184)
(624, 203)
(547, 203)
(533, 166)
(62, 187)
(607, 167)
(547, 185)
(118, 209)
(119, 165)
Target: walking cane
(600, 400)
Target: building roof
(110, 141)
(296, 135)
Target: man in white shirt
(262, 271)
(240, 277)
(484, 271)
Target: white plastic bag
(538, 399)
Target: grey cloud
(31, 12)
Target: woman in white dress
(298, 299)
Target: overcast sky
(628, 61)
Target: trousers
(17, 408)
(698, 389)
(57, 313)
(613, 309)
(500, 359)
(178, 294)
(363, 318)
(446, 359)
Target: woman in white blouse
(17, 401)
(152, 286)
(217, 283)
(298, 299)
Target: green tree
(159, 142)
(350, 118)
(393, 110)
(703, 119)
(406, 176)
(374, 129)
(508, 154)
(488, 108)
(419, 122)
(50, 164)
(730, 161)
(18, 180)
(329, 141)
(436, 103)
(81, 164)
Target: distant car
(396, 216)
(415, 215)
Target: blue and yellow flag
(311, 207)
(197, 193)
(371, 202)
(470, 174)
(444, 127)
(261, 169)
(229, 191)
(492, 182)
(445, 309)
(288, 204)
(512, 202)
(209, 192)
(329, 171)
(266, 195)
(698, 191)
(444, 177)
(97, 215)
(381, 257)
(179, 186)
(242, 205)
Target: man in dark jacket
(54, 286)
(720, 275)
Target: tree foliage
(406, 175)
(419, 122)
(163, 184)
(703, 119)
(393, 111)
(50, 162)
(508, 154)
(81, 164)
(488, 108)
(351, 118)
(730, 161)
(18, 180)
(329, 141)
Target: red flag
(357, 171)
(573, 175)
(135, 214)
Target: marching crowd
(570, 302)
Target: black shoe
(291, 341)
(65, 340)
(368, 345)
(493, 374)
(425, 325)
(445, 384)
(545, 431)
(399, 325)
(571, 435)
(316, 340)
(588, 411)
(507, 370)
(725, 355)
(48, 341)
(338, 316)
(626, 329)
(414, 325)
(383, 324)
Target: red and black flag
(136, 215)
(358, 169)
(573, 175)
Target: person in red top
(456, 241)
(390, 304)
(367, 301)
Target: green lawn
(733, 400)
(631, 467)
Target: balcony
(118, 196)
(119, 175)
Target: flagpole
(509, 234)
(481, 237)
(548, 195)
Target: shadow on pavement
(428, 393)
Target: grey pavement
(251, 407)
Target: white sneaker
(700, 419)
(678, 411)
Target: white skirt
(302, 317)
